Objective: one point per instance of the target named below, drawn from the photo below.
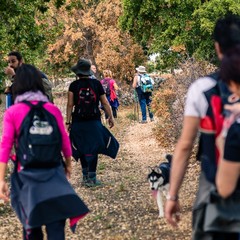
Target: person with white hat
(143, 84)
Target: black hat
(82, 67)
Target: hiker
(228, 174)
(88, 136)
(110, 87)
(40, 192)
(15, 60)
(94, 71)
(144, 87)
(203, 111)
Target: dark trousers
(89, 162)
(215, 236)
(55, 231)
(199, 234)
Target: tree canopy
(55, 33)
(19, 29)
(90, 30)
(111, 33)
(162, 25)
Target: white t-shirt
(196, 102)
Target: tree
(159, 25)
(90, 30)
(20, 31)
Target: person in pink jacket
(63, 202)
(110, 87)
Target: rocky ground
(123, 208)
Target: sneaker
(151, 119)
(143, 121)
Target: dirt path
(123, 208)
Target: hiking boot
(143, 121)
(93, 182)
(151, 119)
(84, 180)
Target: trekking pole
(136, 106)
(137, 111)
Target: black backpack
(86, 107)
(106, 86)
(39, 143)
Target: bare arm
(227, 177)
(108, 109)
(70, 104)
(115, 86)
(134, 85)
(179, 166)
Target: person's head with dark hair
(27, 79)
(16, 54)
(15, 60)
(226, 34)
(230, 69)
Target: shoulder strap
(39, 104)
(107, 80)
(224, 92)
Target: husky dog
(158, 178)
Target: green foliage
(19, 30)
(161, 24)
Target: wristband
(172, 198)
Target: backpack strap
(39, 104)
(224, 92)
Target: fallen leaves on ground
(123, 208)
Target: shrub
(168, 101)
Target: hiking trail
(124, 207)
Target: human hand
(234, 108)
(9, 71)
(7, 90)
(110, 122)
(4, 192)
(68, 170)
(172, 211)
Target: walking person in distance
(143, 84)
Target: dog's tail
(169, 158)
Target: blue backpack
(146, 84)
(39, 143)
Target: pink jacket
(12, 120)
(113, 95)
